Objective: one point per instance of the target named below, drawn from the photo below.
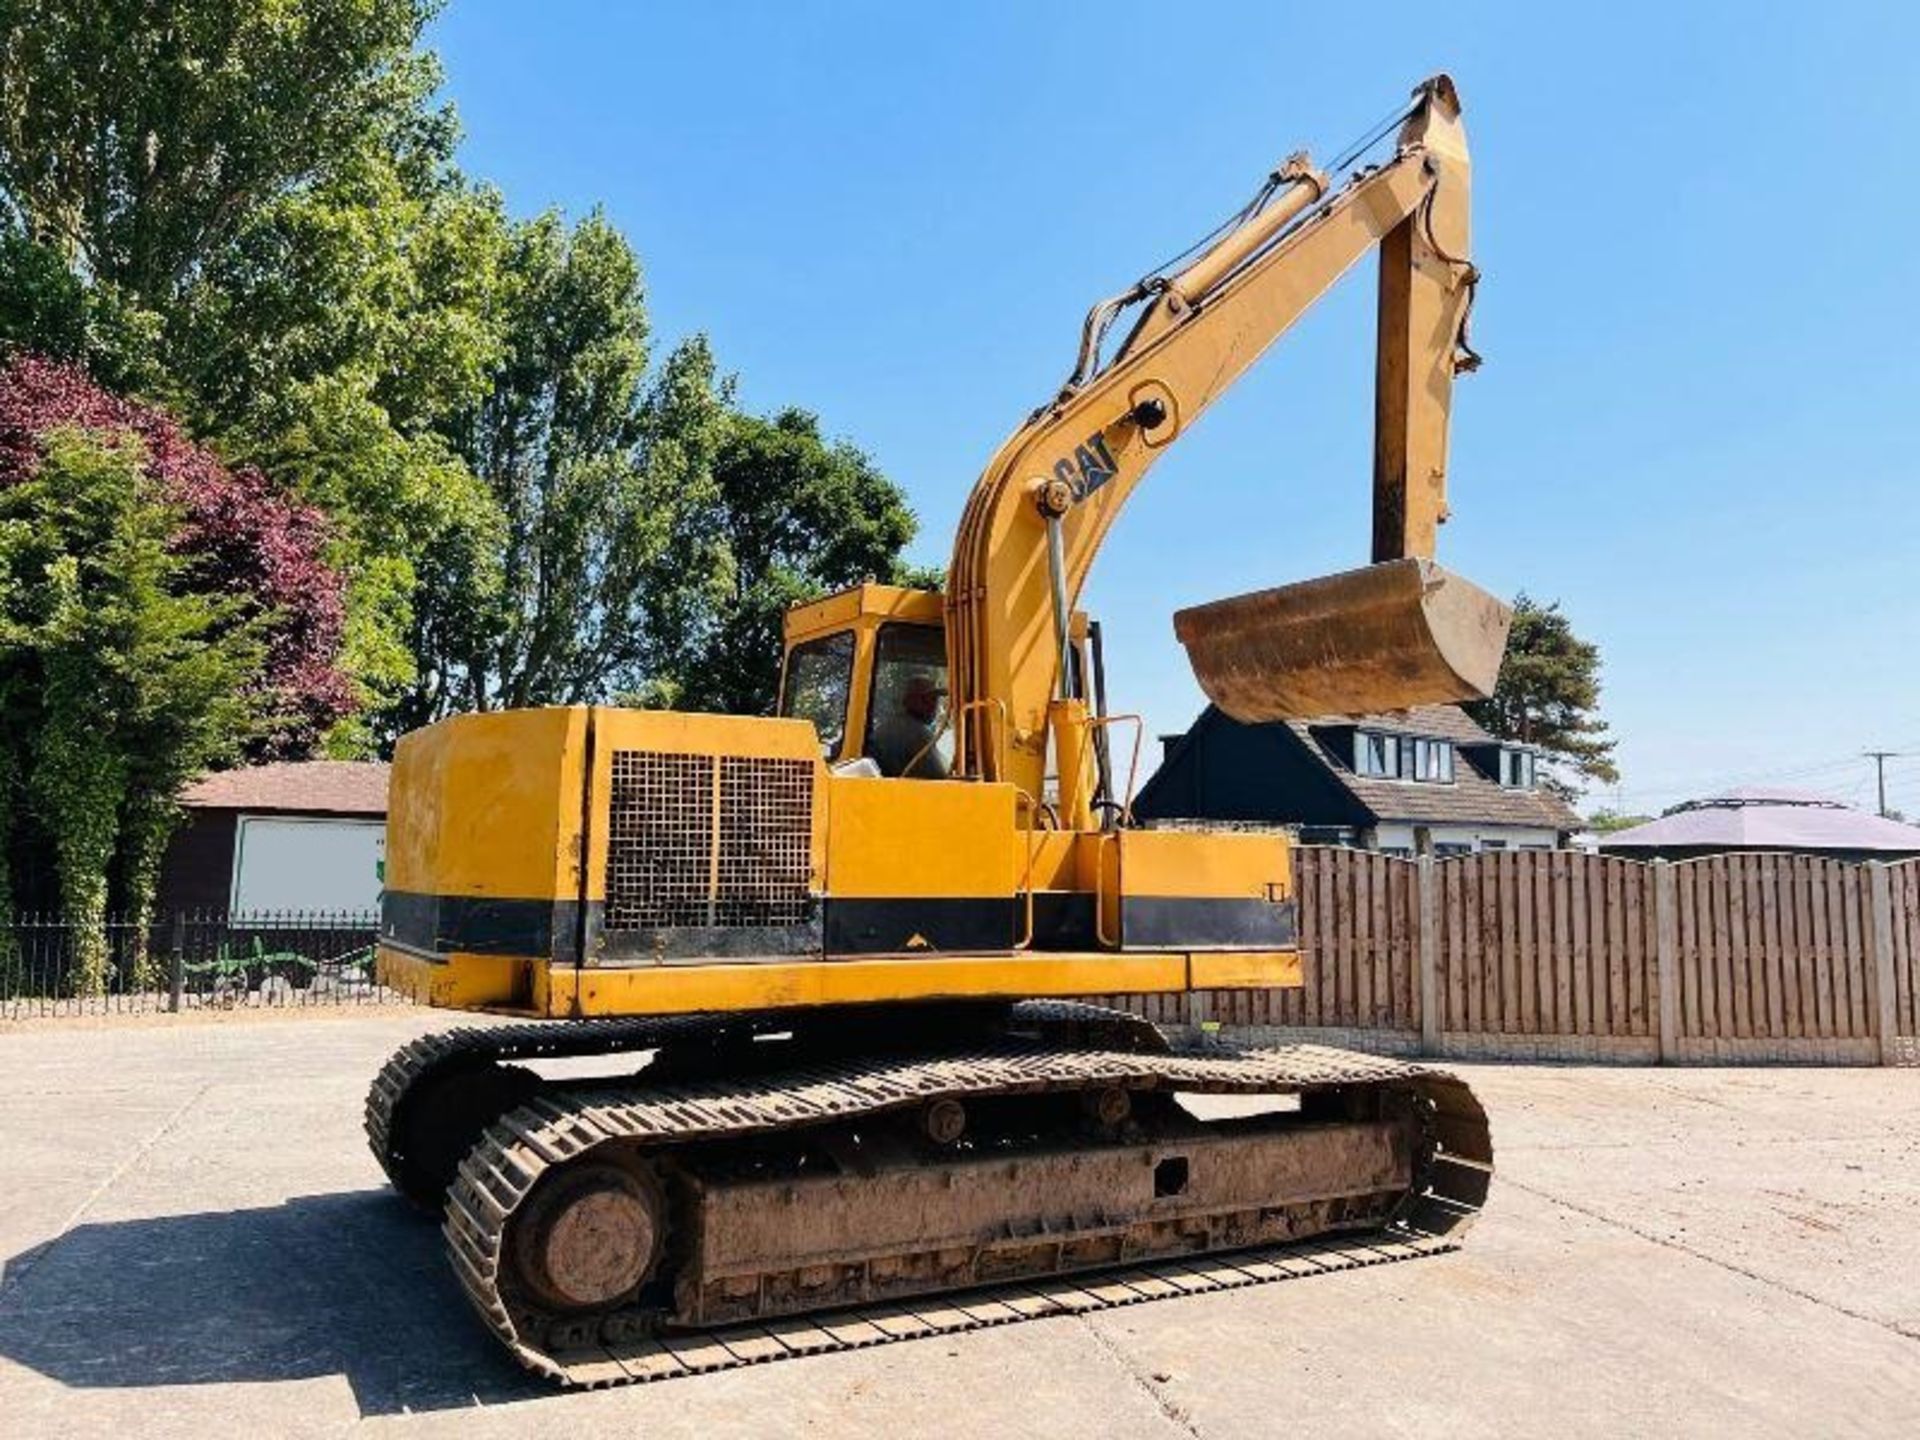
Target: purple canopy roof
(1755, 819)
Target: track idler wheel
(590, 1238)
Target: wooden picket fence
(1574, 955)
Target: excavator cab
(868, 666)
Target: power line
(1701, 786)
(1697, 786)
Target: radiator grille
(669, 867)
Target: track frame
(709, 1088)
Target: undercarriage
(888, 1172)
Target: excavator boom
(1038, 515)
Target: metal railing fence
(54, 964)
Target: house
(1766, 819)
(306, 835)
(1421, 781)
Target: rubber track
(499, 1173)
(700, 1352)
(414, 1062)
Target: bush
(237, 535)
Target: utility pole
(1880, 758)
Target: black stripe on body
(1158, 922)
(911, 924)
(478, 924)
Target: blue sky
(1698, 426)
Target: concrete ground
(197, 1243)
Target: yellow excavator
(807, 1066)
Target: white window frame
(1363, 743)
(1517, 769)
(1426, 751)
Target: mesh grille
(666, 867)
(766, 841)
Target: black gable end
(1319, 789)
(1169, 792)
(1224, 770)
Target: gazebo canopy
(1768, 819)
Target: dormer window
(1402, 757)
(1376, 755)
(1433, 761)
(1517, 769)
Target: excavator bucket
(1385, 637)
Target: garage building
(305, 836)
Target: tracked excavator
(801, 1061)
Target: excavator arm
(1038, 515)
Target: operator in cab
(905, 737)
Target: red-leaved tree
(240, 536)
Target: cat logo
(917, 941)
(1089, 467)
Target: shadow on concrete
(352, 1284)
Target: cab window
(819, 679)
(906, 719)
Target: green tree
(1607, 822)
(43, 304)
(1548, 694)
(338, 344)
(654, 535)
(138, 141)
(47, 309)
(798, 516)
(127, 678)
(250, 210)
(599, 481)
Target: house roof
(1764, 819)
(1472, 798)
(328, 787)
(1444, 722)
